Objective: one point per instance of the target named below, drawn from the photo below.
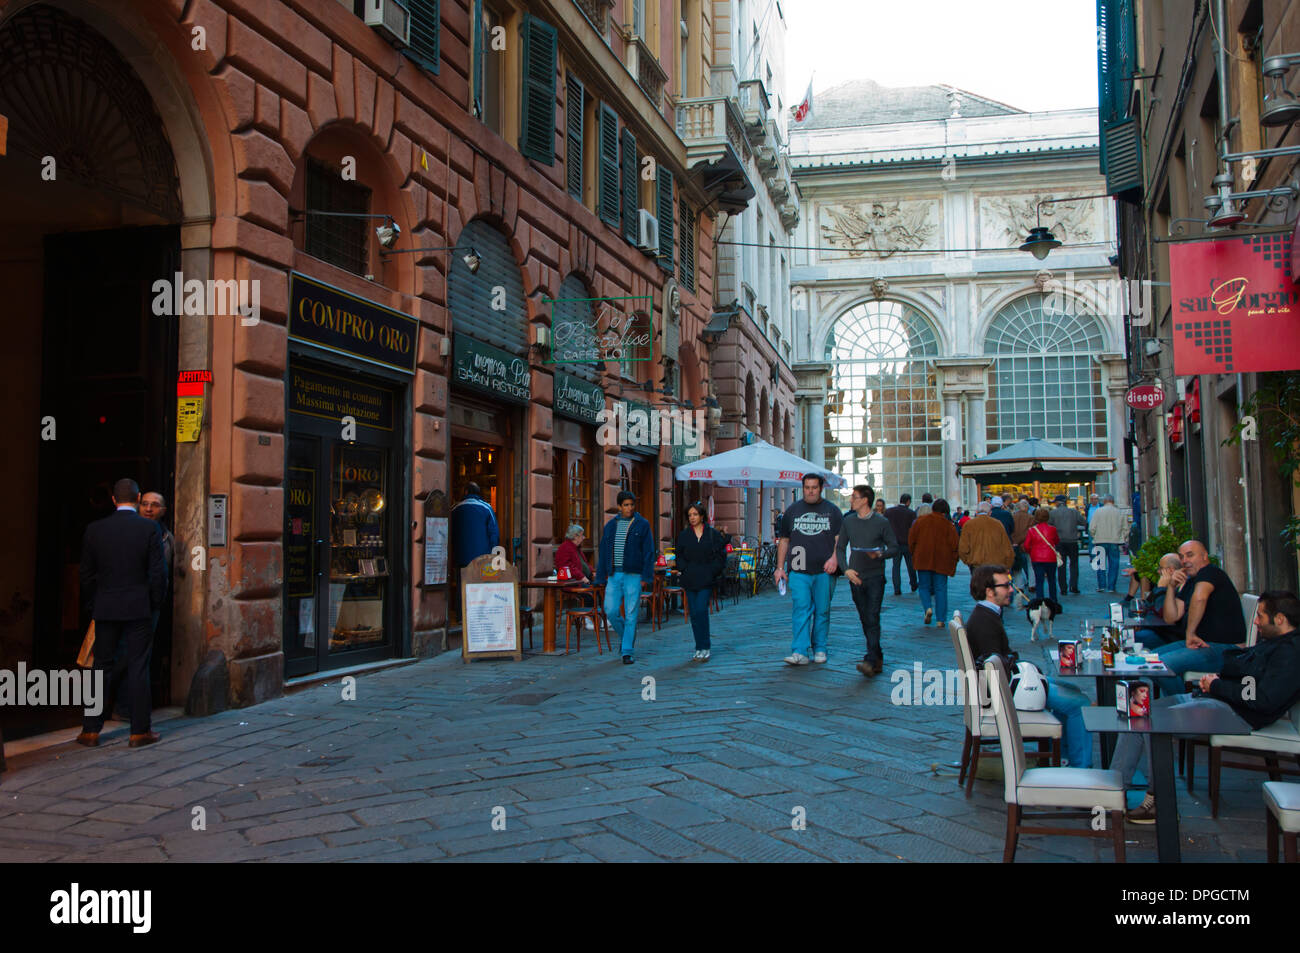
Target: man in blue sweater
(624, 563)
(474, 530)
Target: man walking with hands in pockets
(808, 532)
(865, 541)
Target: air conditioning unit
(648, 233)
(390, 19)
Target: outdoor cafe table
(1105, 679)
(1163, 726)
(550, 607)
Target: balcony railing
(708, 124)
(596, 11)
(754, 106)
(645, 68)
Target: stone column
(950, 433)
(963, 379)
(812, 382)
(1114, 377)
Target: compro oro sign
(341, 322)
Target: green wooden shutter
(1123, 156)
(1120, 145)
(537, 100)
(664, 212)
(425, 30)
(609, 194)
(478, 49)
(687, 275)
(629, 186)
(573, 115)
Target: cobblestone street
(714, 768)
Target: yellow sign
(189, 419)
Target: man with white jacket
(1107, 528)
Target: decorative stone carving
(879, 288)
(1006, 220)
(878, 228)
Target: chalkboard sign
(489, 601)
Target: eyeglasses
(1002, 585)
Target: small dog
(1041, 612)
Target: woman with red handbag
(1040, 544)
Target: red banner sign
(1235, 310)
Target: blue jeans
(1178, 658)
(697, 603)
(1045, 572)
(1108, 576)
(1067, 703)
(1132, 751)
(811, 595)
(624, 588)
(934, 592)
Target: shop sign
(299, 550)
(1236, 310)
(687, 446)
(594, 330)
(640, 424)
(333, 397)
(490, 369)
(338, 321)
(1145, 396)
(578, 399)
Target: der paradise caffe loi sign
(1235, 308)
(331, 318)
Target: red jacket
(569, 555)
(1039, 542)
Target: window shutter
(573, 114)
(609, 194)
(1123, 156)
(629, 186)
(687, 276)
(478, 51)
(537, 102)
(664, 212)
(425, 31)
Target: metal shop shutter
(470, 296)
(573, 288)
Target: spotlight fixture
(472, 261)
(388, 233)
(1281, 108)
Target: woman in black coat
(701, 558)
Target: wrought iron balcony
(596, 11)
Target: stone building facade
(924, 336)
(408, 212)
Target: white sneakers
(820, 658)
(797, 659)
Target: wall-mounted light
(1281, 108)
(471, 260)
(1223, 207)
(444, 346)
(387, 233)
(1041, 240)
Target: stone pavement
(580, 766)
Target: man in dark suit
(123, 581)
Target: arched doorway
(882, 411)
(105, 161)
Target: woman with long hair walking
(701, 558)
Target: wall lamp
(388, 233)
(1281, 108)
(1041, 240)
(541, 339)
(471, 260)
(1223, 207)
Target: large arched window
(882, 423)
(1046, 379)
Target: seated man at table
(1202, 601)
(1154, 631)
(985, 633)
(1260, 684)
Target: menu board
(435, 550)
(490, 617)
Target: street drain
(529, 698)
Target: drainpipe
(1221, 64)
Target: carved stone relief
(878, 229)
(1005, 220)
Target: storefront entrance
(344, 566)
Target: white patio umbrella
(758, 464)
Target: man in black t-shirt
(808, 532)
(1202, 601)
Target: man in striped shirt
(625, 562)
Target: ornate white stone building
(923, 335)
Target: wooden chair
(1082, 789)
(669, 591)
(1042, 726)
(527, 615)
(1282, 815)
(650, 601)
(581, 610)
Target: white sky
(989, 47)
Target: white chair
(1042, 726)
(1280, 739)
(1282, 815)
(1083, 789)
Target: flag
(804, 109)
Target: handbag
(1060, 560)
(86, 657)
